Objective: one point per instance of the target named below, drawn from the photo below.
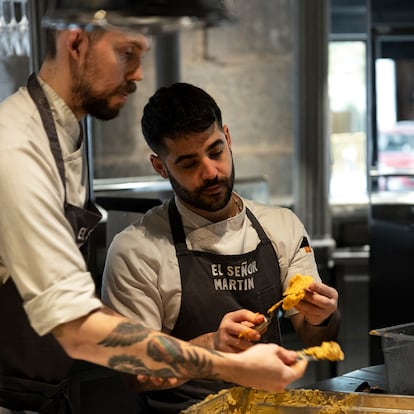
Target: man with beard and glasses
(206, 265)
(49, 310)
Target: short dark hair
(178, 110)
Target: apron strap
(257, 226)
(178, 234)
(177, 229)
(39, 97)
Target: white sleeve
(37, 247)
(130, 278)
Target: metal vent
(147, 16)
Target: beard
(97, 104)
(99, 108)
(198, 199)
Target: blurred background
(319, 99)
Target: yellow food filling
(295, 291)
(329, 350)
(239, 400)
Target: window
(347, 102)
(395, 126)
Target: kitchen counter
(369, 379)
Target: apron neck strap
(42, 104)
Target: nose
(136, 74)
(209, 171)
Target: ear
(158, 165)
(227, 135)
(77, 43)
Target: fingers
(321, 296)
(319, 303)
(274, 367)
(237, 344)
(250, 334)
(244, 316)
(294, 368)
(323, 290)
(236, 332)
(153, 380)
(299, 368)
(286, 356)
(157, 381)
(315, 312)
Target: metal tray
(239, 400)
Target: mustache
(129, 87)
(209, 183)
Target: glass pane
(395, 125)
(347, 100)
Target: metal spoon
(267, 320)
(301, 355)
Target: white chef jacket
(37, 243)
(142, 278)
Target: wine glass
(24, 29)
(4, 32)
(14, 34)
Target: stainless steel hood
(146, 16)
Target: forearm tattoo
(165, 350)
(125, 334)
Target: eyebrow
(184, 157)
(137, 45)
(140, 45)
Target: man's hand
(141, 383)
(226, 338)
(269, 367)
(266, 366)
(319, 303)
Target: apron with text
(213, 285)
(33, 368)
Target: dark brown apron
(34, 369)
(213, 285)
